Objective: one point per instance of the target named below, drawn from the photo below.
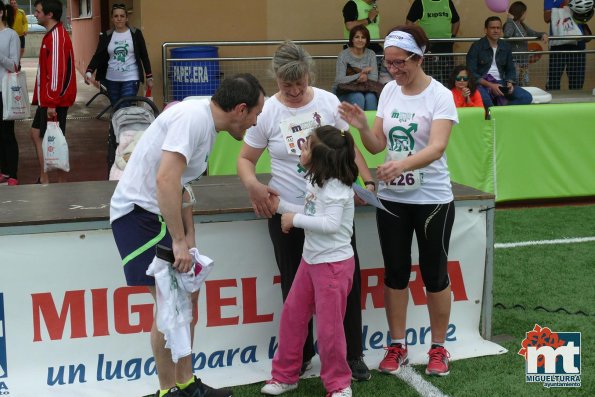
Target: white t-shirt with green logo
(406, 122)
(274, 126)
(122, 63)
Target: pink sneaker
(438, 364)
(394, 358)
(12, 182)
(4, 178)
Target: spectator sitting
(357, 64)
(515, 27)
(464, 88)
(490, 61)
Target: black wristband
(369, 21)
(366, 183)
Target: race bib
(407, 181)
(296, 129)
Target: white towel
(174, 307)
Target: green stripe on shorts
(147, 245)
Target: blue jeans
(120, 89)
(519, 96)
(365, 100)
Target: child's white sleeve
(330, 222)
(285, 207)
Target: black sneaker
(306, 365)
(359, 369)
(199, 389)
(173, 392)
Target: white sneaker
(343, 393)
(274, 388)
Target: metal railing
(200, 76)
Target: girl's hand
(353, 114)
(362, 77)
(287, 222)
(367, 69)
(466, 92)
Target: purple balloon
(497, 5)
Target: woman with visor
(414, 120)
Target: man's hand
(184, 260)
(52, 113)
(494, 88)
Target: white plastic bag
(15, 97)
(563, 25)
(55, 148)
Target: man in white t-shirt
(152, 203)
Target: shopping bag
(563, 25)
(15, 97)
(55, 148)
(149, 96)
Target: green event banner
(470, 150)
(544, 151)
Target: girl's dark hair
(472, 84)
(517, 9)
(332, 155)
(359, 28)
(418, 34)
(7, 14)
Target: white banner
(70, 327)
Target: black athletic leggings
(432, 224)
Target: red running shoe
(438, 364)
(394, 358)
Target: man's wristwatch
(369, 21)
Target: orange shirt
(460, 101)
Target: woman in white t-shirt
(413, 123)
(119, 59)
(286, 119)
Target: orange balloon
(535, 47)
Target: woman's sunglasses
(118, 6)
(462, 78)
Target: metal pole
(488, 280)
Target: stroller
(126, 127)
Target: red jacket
(55, 85)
